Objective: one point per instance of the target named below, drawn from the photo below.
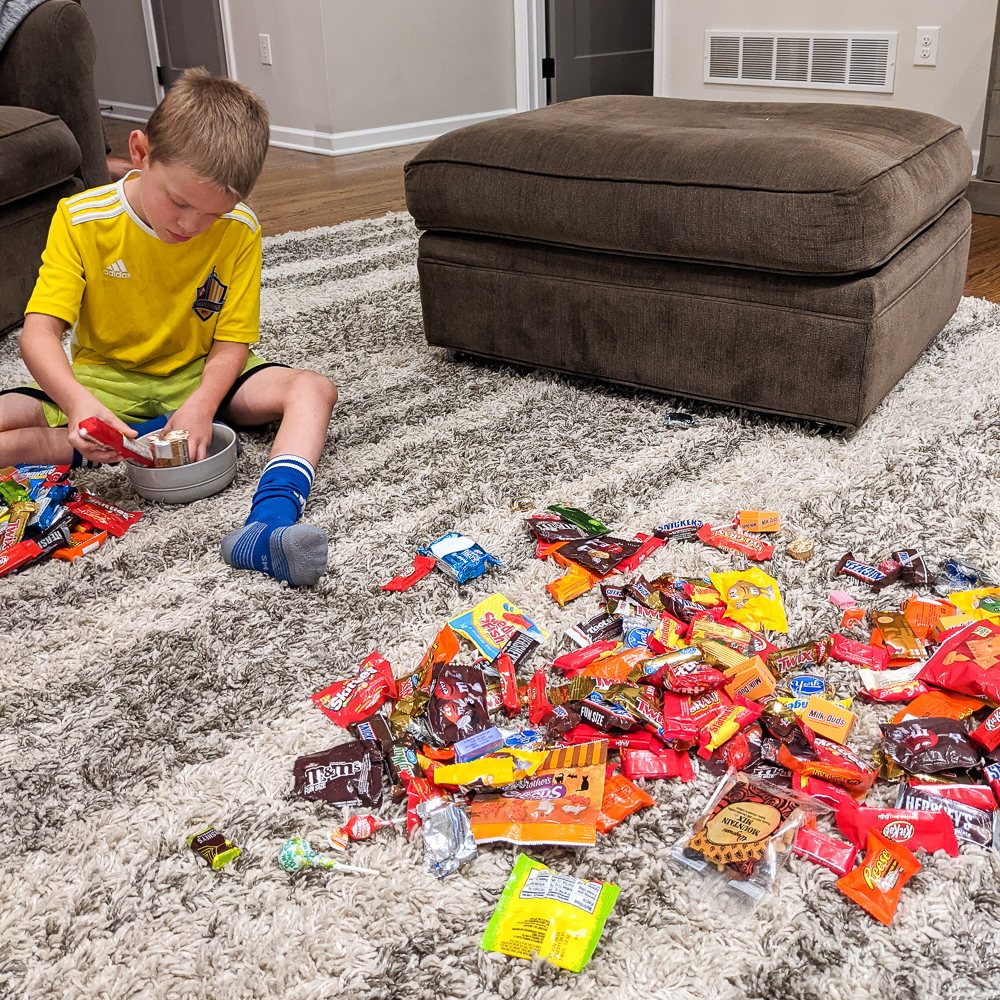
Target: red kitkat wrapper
(638, 740)
(102, 515)
(727, 538)
(877, 882)
(862, 655)
(422, 565)
(822, 849)
(539, 706)
(987, 734)
(664, 764)
(913, 828)
(354, 699)
(968, 661)
(650, 543)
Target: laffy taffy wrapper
(746, 831)
(557, 917)
(752, 598)
(877, 882)
(492, 622)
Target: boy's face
(171, 198)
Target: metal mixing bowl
(184, 483)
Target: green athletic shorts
(135, 397)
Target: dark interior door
(599, 47)
(188, 33)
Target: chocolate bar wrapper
(913, 569)
(519, 648)
(346, 775)
(457, 706)
(875, 578)
(374, 729)
(679, 531)
(925, 746)
(597, 629)
(972, 825)
(600, 555)
(214, 847)
(549, 528)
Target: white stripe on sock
(292, 462)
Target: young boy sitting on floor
(161, 275)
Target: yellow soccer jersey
(139, 302)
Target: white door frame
(154, 49)
(529, 49)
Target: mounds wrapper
(877, 882)
(459, 557)
(457, 705)
(621, 799)
(557, 917)
(752, 598)
(746, 831)
(913, 828)
(925, 746)
(346, 775)
(213, 847)
(349, 701)
(558, 804)
(492, 622)
(968, 661)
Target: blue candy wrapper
(460, 557)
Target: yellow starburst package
(557, 917)
(752, 598)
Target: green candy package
(580, 518)
(557, 917)
(214, 847)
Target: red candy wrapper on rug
(822, 849)
(977, 796)
(539, 706)
(576, 660)
(135, 451)
(650, 543)
(848, 651)
(727, 538)
(508, 683)
(726, 725)
(422, 565)
(987, 734)
(877, 882)
(835, 763)
(15, 556)
(662, 764)
(354, 699)
(968, 662)
(913, 828)
(102, 515)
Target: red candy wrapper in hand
(877, 882)
(422, 565)
(103, 516)
(98, 430)
(354, 699)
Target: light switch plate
(265, 49)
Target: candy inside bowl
(195, 481)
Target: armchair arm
(48, 65)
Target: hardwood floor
(300, 190)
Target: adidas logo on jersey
(117, 270)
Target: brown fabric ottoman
(793, 258)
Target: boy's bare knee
(318, 385)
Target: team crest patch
(210, 297)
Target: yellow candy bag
(559, 917)
(752, 598)
(968, 601)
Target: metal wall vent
(822, 60)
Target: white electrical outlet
(925, 50)
(265, 49)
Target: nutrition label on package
(562, 888)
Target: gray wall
(123, 70)
(954, 89)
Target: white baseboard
(127, 112)
(975, 162)
(339, 143)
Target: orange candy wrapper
(559, 804)
(621, 799)
(939, 705)
(876, 883)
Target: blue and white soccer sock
(271, 541)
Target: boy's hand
(195, 417)
(87, 446)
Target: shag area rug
(149, 691)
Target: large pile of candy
(42, 516)
(485, 742)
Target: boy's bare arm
(42, 351)
(225, 361)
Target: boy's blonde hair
(215, 126)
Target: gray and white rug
(149, 691)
